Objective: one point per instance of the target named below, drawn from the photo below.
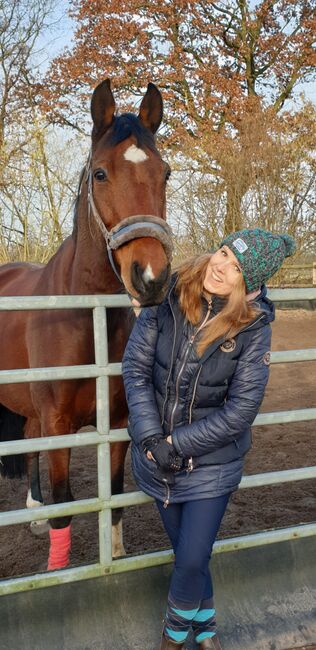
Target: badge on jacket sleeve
(228, 346)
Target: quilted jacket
(206, 403)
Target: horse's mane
(123, 127)
(126, 125)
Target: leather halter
(133, 227)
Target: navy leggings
(192, 528)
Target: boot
(168, 644)
(210, 644)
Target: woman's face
(223, 272)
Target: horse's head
(126, 179)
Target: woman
(195, 370)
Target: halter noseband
(133, 227)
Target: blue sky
(55, 38)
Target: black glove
(164, 453)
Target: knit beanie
(260, 253)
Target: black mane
(126, 125)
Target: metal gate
(103, 437)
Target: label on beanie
(240, 244)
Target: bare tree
(36, 163)
(280, 192)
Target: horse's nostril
(137, 277)
(164, 275)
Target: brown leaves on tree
(206, 56)
(220, 66)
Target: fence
(103, 437)
(297, 275)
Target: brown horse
(120, 241)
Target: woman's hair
(235, 314)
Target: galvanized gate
(259, 567)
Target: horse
(120, 242)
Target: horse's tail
(11, 428)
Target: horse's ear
(102, 108)
(150, 112)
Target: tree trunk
(233, 219)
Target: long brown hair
(235, 314)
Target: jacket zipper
(170, 371)
(190, 462)
(193, 395)
(191, 341)
(251, 325)
(167, 499)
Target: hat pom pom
(290, 245)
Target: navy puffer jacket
(206, 403)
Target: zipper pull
(167, 499)
(190, 465)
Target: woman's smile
(222, 273)
(215, 277)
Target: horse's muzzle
(150, 291)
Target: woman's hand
(149, 454)
(163, 453)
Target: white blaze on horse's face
(135, 155)
(148, 274)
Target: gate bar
(135, 498)
(53, 578)
(119, 435)
(91, 371)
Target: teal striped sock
(204, 622)
(178, 619)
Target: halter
(133, 227)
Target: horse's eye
(99, 174)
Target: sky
(56, 37)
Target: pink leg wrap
(60, 544)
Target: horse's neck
(91, 271)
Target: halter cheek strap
(133, 227)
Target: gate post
(103, 427)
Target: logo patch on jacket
(228, 346)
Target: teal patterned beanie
(260, 254)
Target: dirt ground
(277, 447)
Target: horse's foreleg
(34, 495)
(60, 533)
(118, 453)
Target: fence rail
(103, 437)
(296, 274)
